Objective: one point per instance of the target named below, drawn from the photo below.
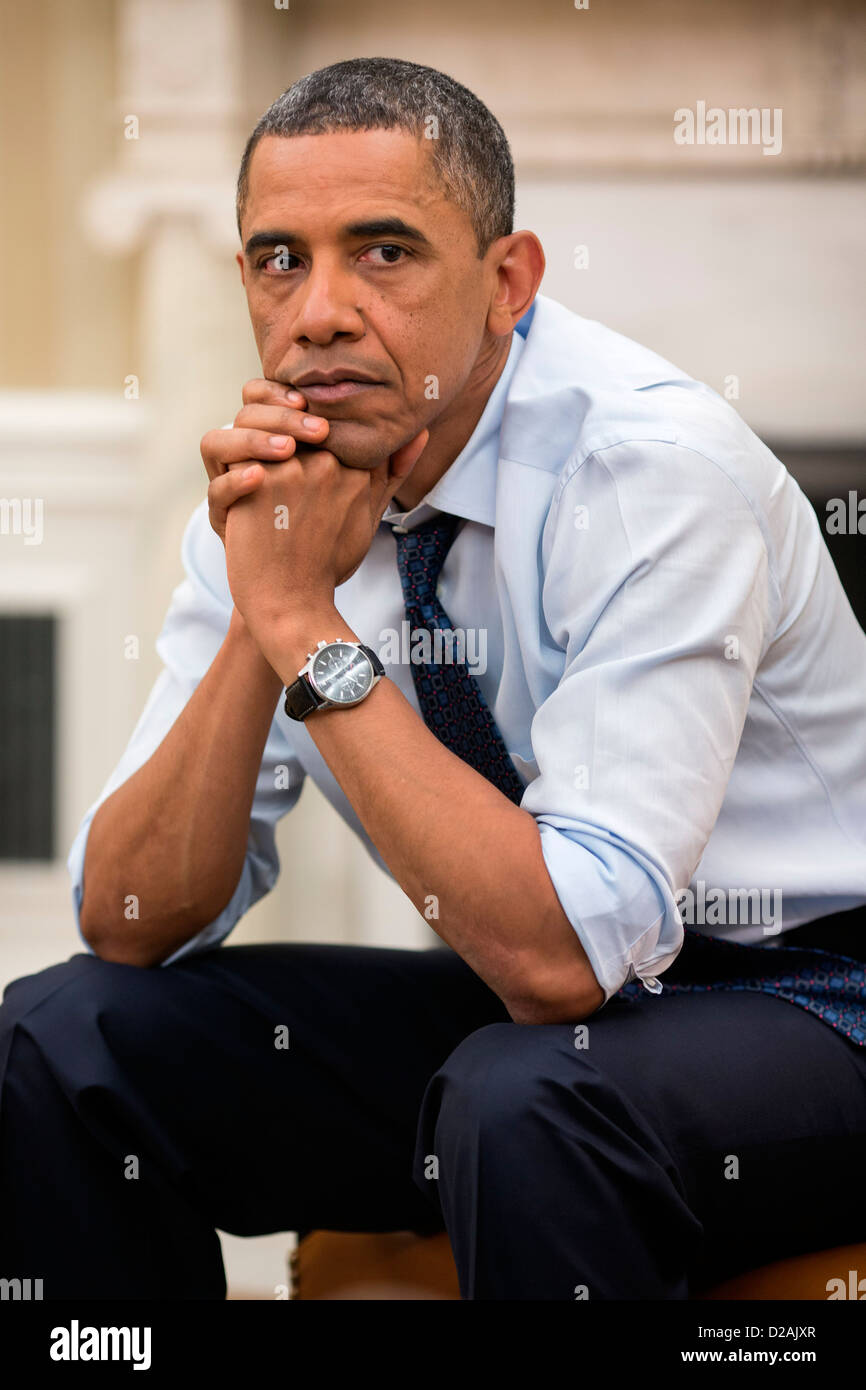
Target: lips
(338, 384)
(337, 390)
(336, 374)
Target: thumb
(386, 479)
(403, 461)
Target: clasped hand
(295, 522)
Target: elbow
(119, 947)
(571, 999)
(127, 953)
(554, 981)
(124, 950)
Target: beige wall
(68, 313)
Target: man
(670, 712)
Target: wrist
(295, 635)
(241, 640)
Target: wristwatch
(337, 674)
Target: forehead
(342, 172)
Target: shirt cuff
(621, 908)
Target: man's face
(382, 278)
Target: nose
(327, 305)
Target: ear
(240, 260)
(518, 264)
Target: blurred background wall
(125, 334)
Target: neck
(452, 430)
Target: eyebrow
(379, 226)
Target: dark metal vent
(27, 736)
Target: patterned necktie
(831, 986)
(449, 696)
(828, 985)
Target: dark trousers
(675, 1141)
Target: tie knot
(421, 554)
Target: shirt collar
(468, 488)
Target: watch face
(341, 673)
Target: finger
(227, 489)
(276, 419)
(221, 448)
(403, 461)
(399, 466)
(262, 391)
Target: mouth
(335, 385)
(324, 391)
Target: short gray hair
(470, 153)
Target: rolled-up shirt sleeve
(657, 587)
(192, 633)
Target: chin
(357, 445)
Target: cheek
(269, 332)
(434, 347)
(441, 359)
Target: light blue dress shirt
(670, 656)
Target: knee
(61, 1009)
(511, 1090)
(503, 1074)
(507, 1078)
(32, 992)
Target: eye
(387, 248)
(277, 263)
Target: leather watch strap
(378, 668)
(301, 699)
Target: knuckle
(275, 391)
(260, 391)
(252, 390)
(324, 460)
(280, 476)
(267, 419)
(290, 468)
(251, 441)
